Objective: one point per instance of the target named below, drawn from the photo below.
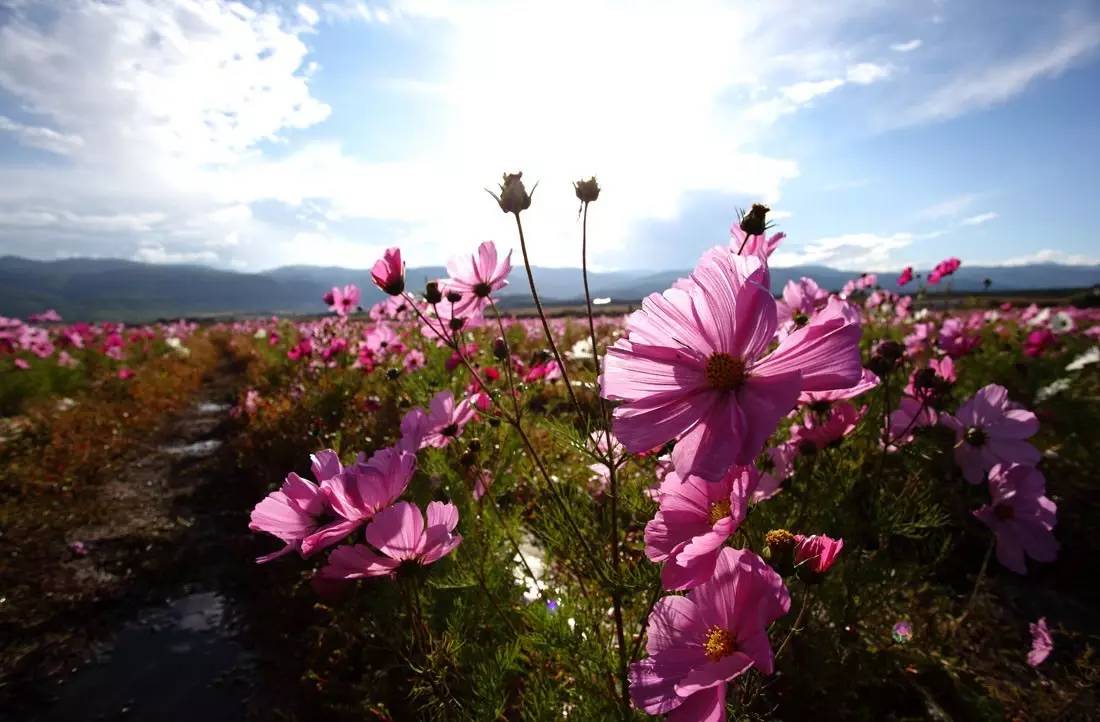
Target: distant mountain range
(106, 289)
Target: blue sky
(261, 134)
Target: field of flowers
(871, 504)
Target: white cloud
(991, 83)
(40, 137)
(807, 90)
(1048, 255)
(867, 73)
(908, 46)
(156, 253)
(308, 14)
(979, 219)
(849, 252)
(947, 208)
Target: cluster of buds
(931, 388)
(887, 357)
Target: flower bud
(814, 555)
(755, 222)
(432, 293)
(457, 323)
(454, 296)
(393, 373)
(513, 196)
(388, 273)
(587, 190)
(779, 545)
(500, 348)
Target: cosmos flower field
(734, 502)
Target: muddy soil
(142, 611)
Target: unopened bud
(457, 323)
(392, 373)
(500, 348)
(432, 294)
(513, 196)
(454, 296)
(755, 222)
(587, 190)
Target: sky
(261, 134)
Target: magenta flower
(1021, 516)
(343, 300)
(697, 643)
(814, 555)
(695, 366)
(401, 535)
(801, 299)
(359, 492)
(446, 419)
(989, 430)
(1037, 342)
(1042, 644)
(414, 427)
(292, 513)
(906, 276)
(388, 272)
(477, 277)
(819, 430)
(695, 519)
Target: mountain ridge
(118, 289)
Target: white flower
(1062, 323)
(1052, 389)
(260, 333)
(1089, 357)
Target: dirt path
(157, 629)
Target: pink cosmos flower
(816, 554)
(1042, 644)
(955, 339)
(989, 430)
(478, 276)
(906, 276)
(801, 299)
(601, 474)
(1037, 342)
(699, 642)
(291, 513)
(775, 466)
(126, 373)
(910, 415)
(867, 381)
(695, 366)
(401, 535)
(757, 245)
(446, 419)
(414, 359)
(414, 426)
(22, 364)
(1021, 516)
(388, 272)
(358, 493)
(821, 430)
(695, 519)
(344, 300)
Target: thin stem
(798, 620)
(616, 562)
(977, 581)
(645, 619)
(542, 317)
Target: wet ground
(157, 590)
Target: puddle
(208, 408)
(206, 447)
(180, 661)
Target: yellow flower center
(724, 372)
(719, 643)
(719, 510)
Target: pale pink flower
(344, 300)
(1021, 516)
(1042, 644)
(823, 429)
(357, 493)
(388, 272)
(446, 419)
(477, 277)
(989, 430)
(699, 642)
(401, 535)
(414, 427)
(758, 245)
(695, 366)
(292, 513)
(695, 519)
